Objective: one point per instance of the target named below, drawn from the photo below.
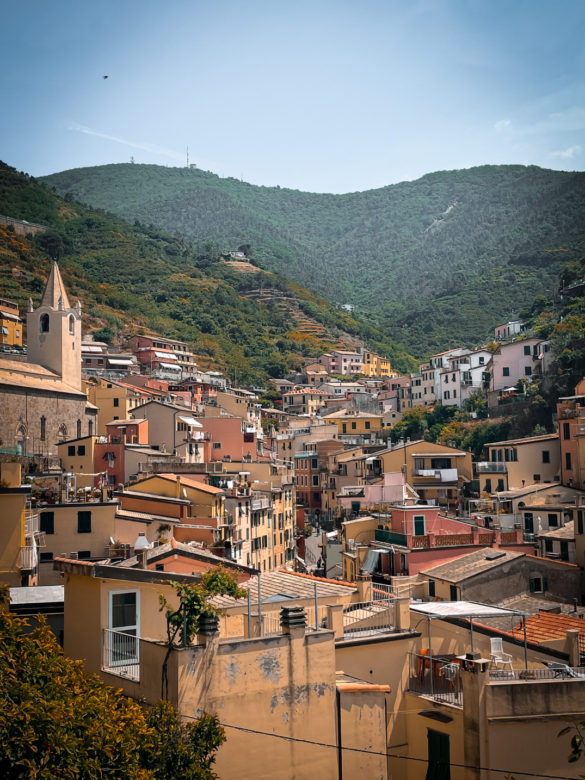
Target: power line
(286, 738)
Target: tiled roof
(290, 586)
(193, 483)
(469, 565)
(31, 376)
(527, 440)
(546, 626)
(565, 532)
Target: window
(123, 617)
(566, 430)
(216, 445)
(528, 370)
(564, 551)
(481, 361)
(538, 584)
(453, 592)
(71, 324)
(46, 556)
(419, 525)
(315, 481)
(553, 521)
(500, 485)
(546, 456)
(438, 756)
(44, 323)
(83, 554)
(81, 449)
(47, 522)
(367, 425)
(43, 428)
(432, 588)
(548, 545)
(505, 371)
(313, 463)
(529, 522)
(353, 426)
(71, 449)
(536, 477)
(527, 349)
(568, 465)
(344, 427)
(488, 485)
(116, 401)
(84, 522)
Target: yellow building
(374, 365)
(77, 458)
(207, 502)
(350, 422)
(520, 462)
(76, 530)
(114, 402)
(19, 537)
(435, 471)
(10, 324)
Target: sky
(316, 95)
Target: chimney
(293, 620)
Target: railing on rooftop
(121, 654)
(438, 678)
(391, 537)
(367, 618)
(491, 467)
(559, 672)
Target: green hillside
(132, 278)
(433, 263)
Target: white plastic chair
(498, 658)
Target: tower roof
(55, 290)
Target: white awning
(462, 609)
(165, 355)
(171, 366)
(91, 348)
(6, 315)
(120, 361)
(190, 421)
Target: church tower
(54, 332)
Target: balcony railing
(367, 618)
(441, 475)
(557, 672)
(121, 654)
(29, 558)
(438, 678)
(490, 467)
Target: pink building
(231, 438)
(518, 360)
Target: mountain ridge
(432, 262)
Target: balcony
(259, 503)
(29, 558)
(491, 467)
(390, 537)
(437, 677)
(439, 475)
(121, 654)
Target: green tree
(57, 721)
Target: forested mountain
(132, 278)
(433, 262)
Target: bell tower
(54, 332)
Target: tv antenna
(187, 157)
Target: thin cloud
(502, 124)
(567, 154)
(143, 145)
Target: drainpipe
(339, 748)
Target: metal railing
(558, 672)
(367, 618)
(435, 677)
(121, 654)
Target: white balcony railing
(29, 557)
(121, 654)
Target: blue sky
(318, 95)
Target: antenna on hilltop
(187, 157)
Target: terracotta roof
(547, 626)
(526, 440)
(193, 483)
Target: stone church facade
(41, 399)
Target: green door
(438, 744)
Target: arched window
(72, 324)
(44, 322)
(90, 428)
(43, 428)
(21, 439)
(79, 429)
